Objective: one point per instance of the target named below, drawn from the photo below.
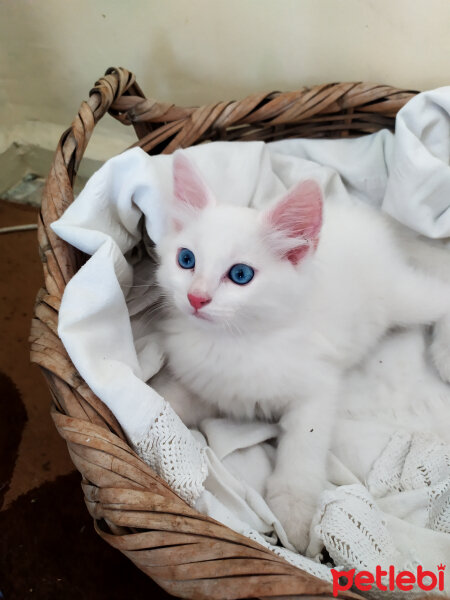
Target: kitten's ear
(190, 191)
(293, 224)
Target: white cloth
(409, 176)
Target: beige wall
(196, 51)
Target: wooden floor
(48, 548)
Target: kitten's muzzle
(198, 302)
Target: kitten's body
(278, 350)
(354, 278)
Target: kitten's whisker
(156, 307)
(151, 316)
(231, 327)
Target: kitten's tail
(432, 257)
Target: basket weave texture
(188, 554)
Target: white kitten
(270, 308)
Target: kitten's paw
(294, 508)
(440, 348)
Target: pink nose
(198, 301)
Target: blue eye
(186, 259)
(241, 274)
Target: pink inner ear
(299, 216)
(189, 188)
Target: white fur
(277, 347)
(396, 385)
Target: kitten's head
(236, 267)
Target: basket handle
(58, 191)
(60, 260)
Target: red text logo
(388, 580)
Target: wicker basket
(188, 554)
